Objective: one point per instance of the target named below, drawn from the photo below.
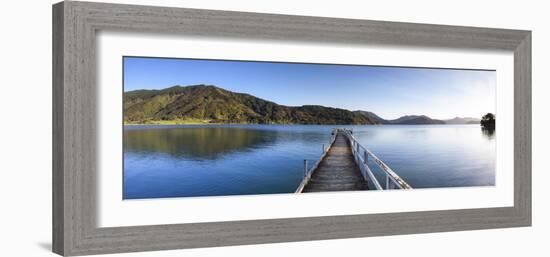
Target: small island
(488, 121)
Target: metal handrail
(393, 181)
(361, 156)
(309, 172)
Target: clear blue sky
(390, 92)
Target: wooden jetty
(344, 166)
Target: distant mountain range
(404, 120)
(466, 120)
(211, 104)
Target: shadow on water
(197, 143)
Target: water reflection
(196, 142)
(489, 132)
(214, 160)
(434, 156)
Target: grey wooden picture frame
(75, 25)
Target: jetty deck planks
(337, 171)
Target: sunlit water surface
(214, 160)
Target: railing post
(323, 148)
(387, 182)
(305, 168)
(366, 158)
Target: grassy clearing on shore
(170, 122)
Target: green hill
(210, 104)
(415, 120)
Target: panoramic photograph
(197, 127)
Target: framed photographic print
(182, 128)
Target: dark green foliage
(372, 116)
(216, 105)
(488, 121)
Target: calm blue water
(214, 160)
